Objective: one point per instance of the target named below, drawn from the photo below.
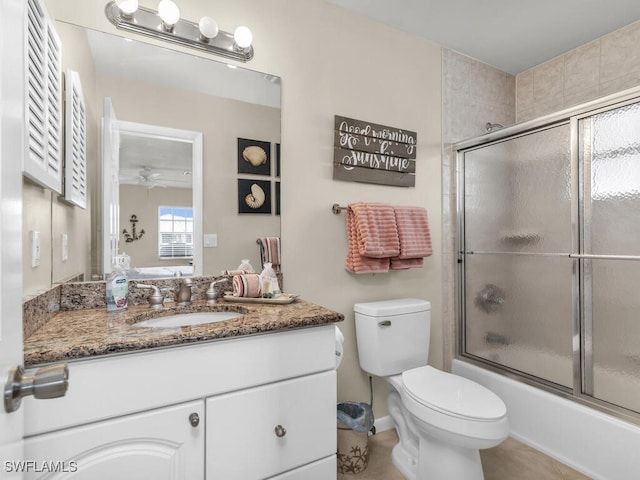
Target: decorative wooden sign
(371, 153)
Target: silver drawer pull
(384, 323)
(280, 431)
(194, 419)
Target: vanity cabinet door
(261, 432)
(160, 445)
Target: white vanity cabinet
(287, 424)
(162, 444)
(266, 408)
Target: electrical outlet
(35, 248)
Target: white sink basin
(188, 319)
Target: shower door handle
(588, 256)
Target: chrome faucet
(184, 294)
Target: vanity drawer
(324, 469)
(244, 438)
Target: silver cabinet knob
(280, 431)
(194, 419)
(47, 382)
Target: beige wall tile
(582, 69)
(548, 81)
(524, 90)
(620, 53)
(622, 82)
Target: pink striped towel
(414, 235)
(247, 285)
(270, 251)
(372, 236)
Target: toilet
(442, 420)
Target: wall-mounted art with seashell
(254, 157)
(254, 196)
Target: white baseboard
(383, 424)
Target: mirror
(156, 168)
(163, 99)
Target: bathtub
(160, 272)
(600, 446)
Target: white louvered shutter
(43, 102)
(75, 163)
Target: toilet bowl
(442, 420)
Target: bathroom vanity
(247, 398)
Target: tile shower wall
(606, 65)
(473, 94)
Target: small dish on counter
(283, 299)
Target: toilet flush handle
(384, 323)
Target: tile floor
(511, 460)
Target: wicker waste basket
(354, 422)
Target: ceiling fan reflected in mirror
(148, 178)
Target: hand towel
(415, 238)
(270, 251)
(376, 230)
(247, 285)
(372, 237)
(234, 272)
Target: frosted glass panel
(519, 313)
(615, 182)
(616, 332)
(518, 194)
(612, 211)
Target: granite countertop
(84, 334)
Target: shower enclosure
(549, 243)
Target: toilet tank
(392, 335)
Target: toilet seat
(451, 395)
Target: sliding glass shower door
(610, 155)
(518, 274)
(549, 236)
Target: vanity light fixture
(167, 25)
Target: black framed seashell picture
(254, 157)
(254, 196)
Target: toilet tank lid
(398, 306)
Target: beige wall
(333, 62)
(143, 202)
(606, 65)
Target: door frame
(11, 158)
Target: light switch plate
(35, 248)
(65, 247)
(210, 240)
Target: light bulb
(127, 7)
(243, 37)
(169, 12)
(208, 28)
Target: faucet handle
(212, 294)
(156, 290)
(156, 299)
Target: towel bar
(337, 209)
